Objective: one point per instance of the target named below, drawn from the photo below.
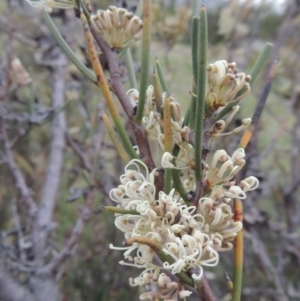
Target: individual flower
(191, 252)
(223, 168)
(151, 119)
(48, 5)
(221, 125)
(224, 84)
(117, 26)
(136, 187)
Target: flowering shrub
(174, 204)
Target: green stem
(120, 210)
(260, 61)
(66, 48)
(195, 64)
(201, 87)
(187, 116)
(139, 9)
(178, 185)
(258, 65)
(182, 276)
(115, 139)
(130, 68)
(162, 79)
(157, 92)
(195, 46)
(196, 8)
(147, 16)
(85, 11)
(176, 176)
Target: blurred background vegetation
(237, 32)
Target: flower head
(118, 27)
(224, 84)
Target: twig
(204, 290)
(85, 213)
(52, 182)
(139, 131)
(266, 262)
(76, 148)
(17, 174)
(16, 217)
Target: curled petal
(166, 160)
(219, 155)
(235, 192)
(227, 166)
(249, 183)
(238, 155)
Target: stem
(187, 116)
(178, 185)
(102, 83)
(176, 176)
(258, 65)
(238, 253)
(120, 210)
(162, 79)
(139, 9)
(260, 61)
(204, 290)
(195, 45)
(147, 19)
(130, 68)
(259, 108)
(157, 93)
(118, 88)
(201, 86)
(117, 144)
(195, 64)
(67, 50)
(196, 8)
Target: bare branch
(76, 148)
(266, 263)
(17, 174)
(85, 213)
(205, 292)
(52, 182)
(9, 289)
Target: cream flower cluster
(117, 26)
(191, 238)
(224, 84)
